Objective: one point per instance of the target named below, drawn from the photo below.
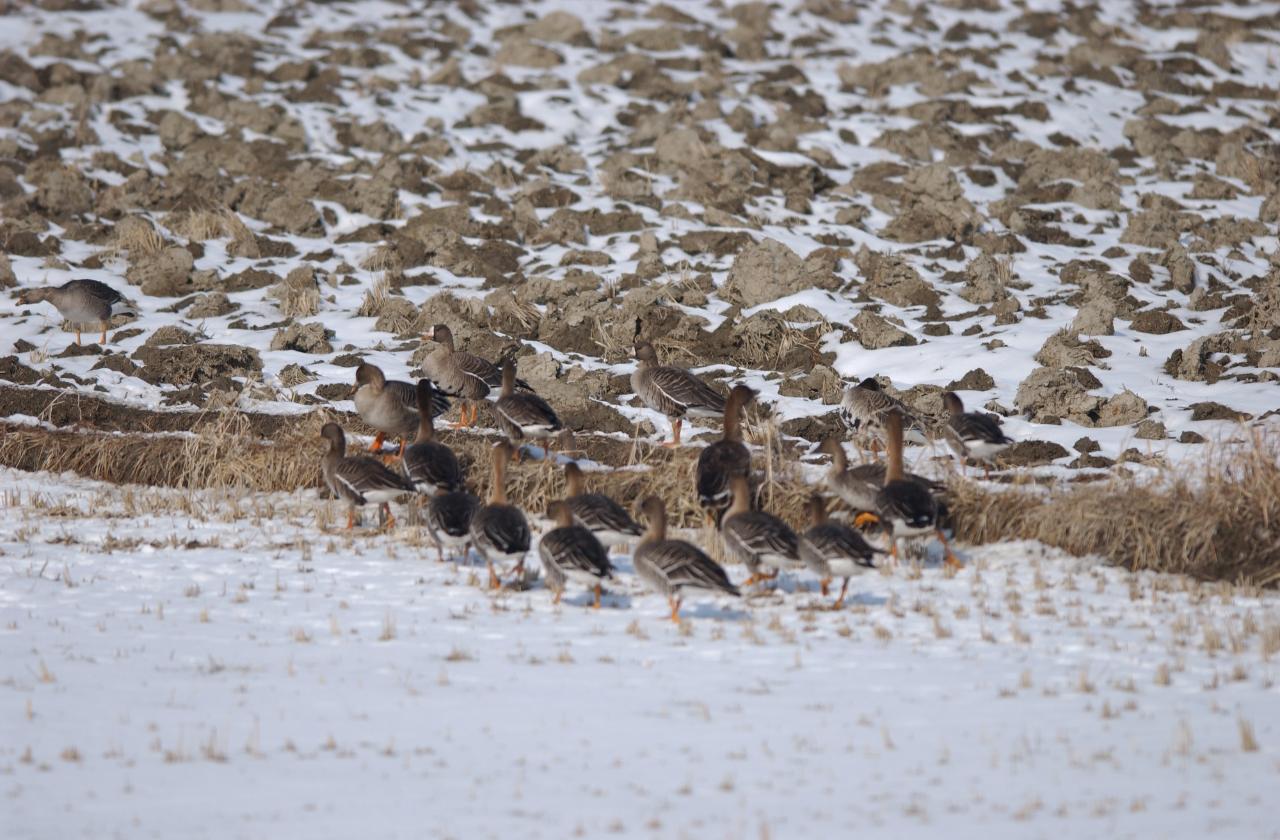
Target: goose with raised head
(832, 549)
(865, 408)
(460, 374)
(721, 461)
(674, 391)
(523, 415)
(82, 302)
(596, 512)
(358, 480)
(904, 508)
(673, 567)
(571, 552)
(430, 466)
(389, 405)
(757, 539)
(499, 530)
(971, 434)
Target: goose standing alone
(904, 508)
(523, 415)
(721, 461)
(429, 465)
(358, 480)
(596, 512)
(570, 552)
(389, 405)
(674, 391)
(461, 374)
(865, 409)
(673, 567)
(499, 530)
(82, 302)
(755, 538)
(832, 549)
(973, 435)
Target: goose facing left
(82, 302)
(389, 405)
(359, 480)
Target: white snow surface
(205, 665)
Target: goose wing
(575, 549)
(974, 427)
(683, 391)
(833, 541)
(528, 411)
(908, 502)
(406, 396)
(95, 289)
(452, 513)
(598, 512)
(431, 466)
(761, 534)
(503, 527)
(687, 566)
(361, 476)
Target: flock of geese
(588, 524)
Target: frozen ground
(185, 665)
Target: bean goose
(449, 518)
(570, 552)
(859, 485)
(831, 549)
(82, 302)
(430, 466)
(672, 567)
(674, 391)
(974, 435)
(596, 512)
(499, 530)
(359, 480)
(757, 539)
(523, 415)
(719, 462)
(389, 405)
(904, 508)
(865, 408)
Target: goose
(449, 516)
(904, 508)
(719, 462)
(757, 539)
(831, 549)
(570, 552)
(82, 302)
(596, 512)
(865, 407)
(672, 567)
(359, 480)
(973, 435)
(674, 391)
(499, 530)
(429, 465)
(859, 485)
(523, 415)
(389, 405)
(461, 374)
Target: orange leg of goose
(390, 520)
(77, 336)
(494, 582)
(376, 446)
(351, 518)
(948, 557)
(104, 333)
(599, 593)
(893, 549)
(839, 604)
(864, 519)
(675, 609)
(825, 583)
(675, 434)
(556, 599)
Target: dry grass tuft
(203, 225)
(1221, 524)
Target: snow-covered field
(1068, 214)
(186, 665)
